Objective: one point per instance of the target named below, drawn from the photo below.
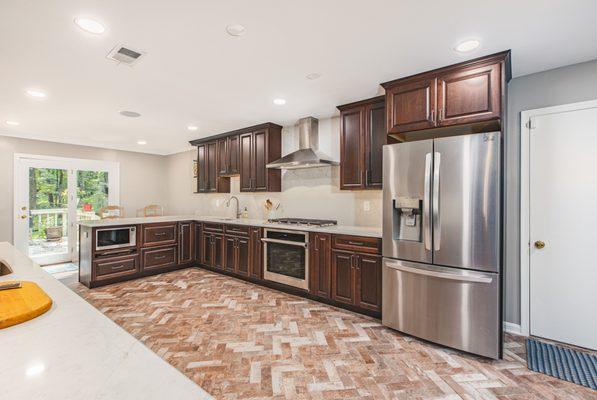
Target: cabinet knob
(539, 244)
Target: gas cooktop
(303, 221)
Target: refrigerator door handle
(476, 278)
(427, 203)
(437, 225)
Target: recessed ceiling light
(192, 127)
(235, 30)
(314, 76)
(38, 94)
(141, 142)
(467, 45)
(131, 114)
(90, 25)
(13, 123)
(279, 102)
(35, 369)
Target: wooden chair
(153, 210)
(111, 212)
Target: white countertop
(75, 352)
(338, 229)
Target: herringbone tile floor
(242, 341)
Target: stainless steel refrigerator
(441, 241)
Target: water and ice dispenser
(407, 218)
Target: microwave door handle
(427, 203)
(437, 223)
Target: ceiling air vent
(125, 55)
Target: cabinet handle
(121, 266)
(159, 257)
(355, 243)
(441, 114)
(432, 116)
(159, 234)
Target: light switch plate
(367, 205)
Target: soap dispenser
(245, 213)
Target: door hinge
(531, 124)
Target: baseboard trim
(515, 329)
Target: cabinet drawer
(116, 267)
(357, 243)
(237, 230)
(218, 228)
(159, 234)
(159, 258)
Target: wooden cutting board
(22, 304)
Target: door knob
(539, 244)
(23, 216)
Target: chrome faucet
(237, 205)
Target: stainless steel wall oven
(286, 258)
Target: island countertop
(337, 229)
(74, 352)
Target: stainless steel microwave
(116, 237)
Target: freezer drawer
(449, 306)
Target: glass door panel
(48, 215)
(92, 195)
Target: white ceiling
(194, 73)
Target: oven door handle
(289, 242)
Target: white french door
(560, 192)
(51, 194)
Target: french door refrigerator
(441, 241)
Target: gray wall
(142, 176)
(564, 85)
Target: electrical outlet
(367, 205)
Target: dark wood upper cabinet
(467, 93)
(244, 151)
(232, 147)
(411, 105)
(352, 126)
(246, 161)
(222, 156)
(368, 282)
(320, 264)
(362, 136)
(208, 165)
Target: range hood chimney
(308, 154)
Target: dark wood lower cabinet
(212, 250)
(159, 257)
(320, 260)
(230, 262)
(197, 237)
(255, 253)
(185, 242)
(237, 255)
(368, 280)
(356, 279)
(343, 277)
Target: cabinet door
(259, 156)
(218, 252)
(230, 253)
(255, 259)
(375, 138)
(206, 249)
(222, 156)
(233, 155)
(470, 95)
(246, 168)
(211, 160)
(201, 169)
(411, 106)
(242, 256)
(343, 287)
(351, 149)
(197, 243)
(368, 282)
(320, 264)
(185, 243)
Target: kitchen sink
(4, 269)
(220, 218)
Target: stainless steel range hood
(308, 154)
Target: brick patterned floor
(242, 341)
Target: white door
(50, 195)
(563, 218)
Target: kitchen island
(75, 352)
